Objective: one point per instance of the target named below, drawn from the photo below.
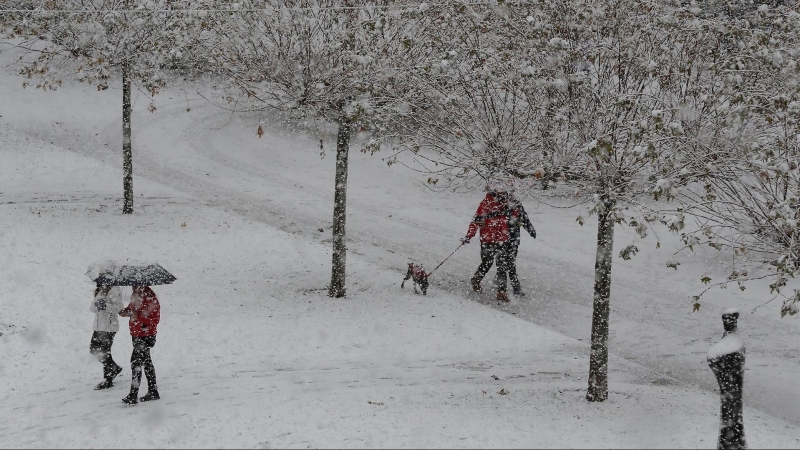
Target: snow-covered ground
(251, 353)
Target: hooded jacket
(106, 319)
(492, 219)
(144, 312)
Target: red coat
(492, 219)
(417, 271)
(144, 318)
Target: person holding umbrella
(106, 306)
(144, 312)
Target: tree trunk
(127, 154)
(337, 287)
(598, 360)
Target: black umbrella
(135, 275)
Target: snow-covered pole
(726, 360)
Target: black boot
(116, 371)
(132, 398)
(518, 292)
(151, 395)
(104, 385)
(476, 285)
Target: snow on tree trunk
(150, 42)
(127, 154)
(598, 360)
(337, 287)
(325, 64)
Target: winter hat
(500, 184)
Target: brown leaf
(260, 132)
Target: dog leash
(445, 260)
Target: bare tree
(588, 92)
(622, 74)
(96, 40)
(473, 119)
(323, 61)
(746, 199)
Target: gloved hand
(100, 304)
(533, 233)
(464, 240)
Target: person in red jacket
(144, 312)
(492, 220)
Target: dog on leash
(418, 275)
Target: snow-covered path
(201, 166)
(393, 219)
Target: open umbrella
(134, 274)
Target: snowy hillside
(252, 353)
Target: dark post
(726, 360)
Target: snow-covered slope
(252, 353)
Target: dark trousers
(140, 359)
(491, 251)
(511, 266)
(100, 347)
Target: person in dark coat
(492, 220)
(144, 312)
(517, 219)
(106, 305)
